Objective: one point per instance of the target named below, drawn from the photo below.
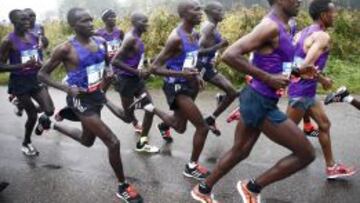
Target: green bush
(345, 39)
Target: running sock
(348, 99)
(252, 186)
(204, 189)
(192, 165)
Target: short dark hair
(317, 7)
(271, 2)
(13, 13)
(71, 15)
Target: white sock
(192, 165)
(149, 107)
(348, 99)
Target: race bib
(27, 55)
(190, 59)
(95, 75)
(113, 46)
(141, 62)
(287, 68)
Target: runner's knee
(325, 125)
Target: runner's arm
(57, 57)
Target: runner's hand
(74, 91)
(201, 83)
(277, 81)
(190, 73)
(308, 72)
(144, 73)
(326, 82)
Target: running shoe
(337, 96)
(43, 124)
(29, 150)
(143, 146)
(246, 195)
(165, 133)
(311, 131)
(66, 113)
(339, 171)
(233, 116)
(3, 185)
(18, 110)
(198, 172)
(138, 127)
(200, 197)
(129, 194)
(219, 98)
(212, 124)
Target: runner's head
(20, 20)
(139, 21)
(108, 16)
(289, 7)
(215, 10)
(324, 11)
(81, 22)
(32, 16)
(190, 11)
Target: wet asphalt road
(65, 171)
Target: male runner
(342, 95)
(128, 67)
(177, 62)
(273, 49)
(312, 48)
(19, 48)
(210, 42)
(84, 58)
(38, 31)
(111, 33)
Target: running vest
(208, 58)
(187, 58)
(280, 59)
(23, 52)
(136, 61)
(89, 72)
(306, 87)
(113, 40)
(36, 30)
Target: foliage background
(343, 65)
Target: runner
(312, 48)
(128, 67)
(177, 62)
(273, 49)
(37, 30)
(21, 49)
(85, 60)
(210, 42)
(342, 95)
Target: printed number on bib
(95, 74)
(191, 59)
(287, 68)
(28, 55)
(113, 46)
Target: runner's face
(143, 24)
(329, 16)
(110, 20)
(32, 18)
(84, 25)
(22, 22)
(291, 7)
(218, 14)
(194, 14)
